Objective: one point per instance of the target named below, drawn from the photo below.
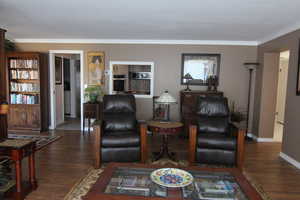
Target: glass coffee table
(132, 181)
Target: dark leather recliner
(211, 138)
(118, 136)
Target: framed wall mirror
(197, 68)
(135, 78)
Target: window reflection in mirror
(132, 78)
(197, 68)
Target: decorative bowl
(171, 177)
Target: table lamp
(166, 99)
(188, 77)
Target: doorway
(66, 89)
(281, 95)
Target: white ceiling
(199, 20)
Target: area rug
(41, 141)
(83, 185)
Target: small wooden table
(107, 187)
(17, 149)
(91, 111)
(165, 129)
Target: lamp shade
(187, 76)
(251, 65)
(165, 98)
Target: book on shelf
(24, 87)
(24, 74)
(23, 63)
(23, 99)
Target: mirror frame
(218, 56)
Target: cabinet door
(188, 103)
(33, 117)
(17, 117)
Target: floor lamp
(251, 67)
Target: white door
(281, 96)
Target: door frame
(52, 84)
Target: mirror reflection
(198, 68)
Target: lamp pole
(251, 67)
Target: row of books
(23, 99)
(21, 74)
(24, 87)
(18, 63)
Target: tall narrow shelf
(27, 91)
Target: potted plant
(3, 107)
(93, 92)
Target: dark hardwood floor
(65, 162)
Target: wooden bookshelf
(27, 91)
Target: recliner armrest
(143, 136)
(97, 129)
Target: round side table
(165, 129)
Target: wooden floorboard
(63, 163)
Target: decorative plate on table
(171, 177)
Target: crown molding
(280, 33)
(123, 41)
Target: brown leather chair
(118, 136)
(212, 140)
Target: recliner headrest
(119, 104)
(212, 107)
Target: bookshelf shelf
(24, 69)
(28, 91)
(25, 80)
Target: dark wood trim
(298, 72)
(144, 152)
(240, 149)
(192, 143)
(3, 84)
(97, 145)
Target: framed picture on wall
(96, 67)
(298, 73)
(58, 70)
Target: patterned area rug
(83, 186)
(41, 141)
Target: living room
(159, 36)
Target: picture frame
(58, 70)
(199, 68)
(96, 67)
(298, 73)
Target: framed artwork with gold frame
(96, 67)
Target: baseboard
(265, 140)
(290, 160)
(250, 135)
(258, 139)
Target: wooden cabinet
(188, 101)
(27, 91)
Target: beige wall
(167, 59)
(269, 94)
(291, 136)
